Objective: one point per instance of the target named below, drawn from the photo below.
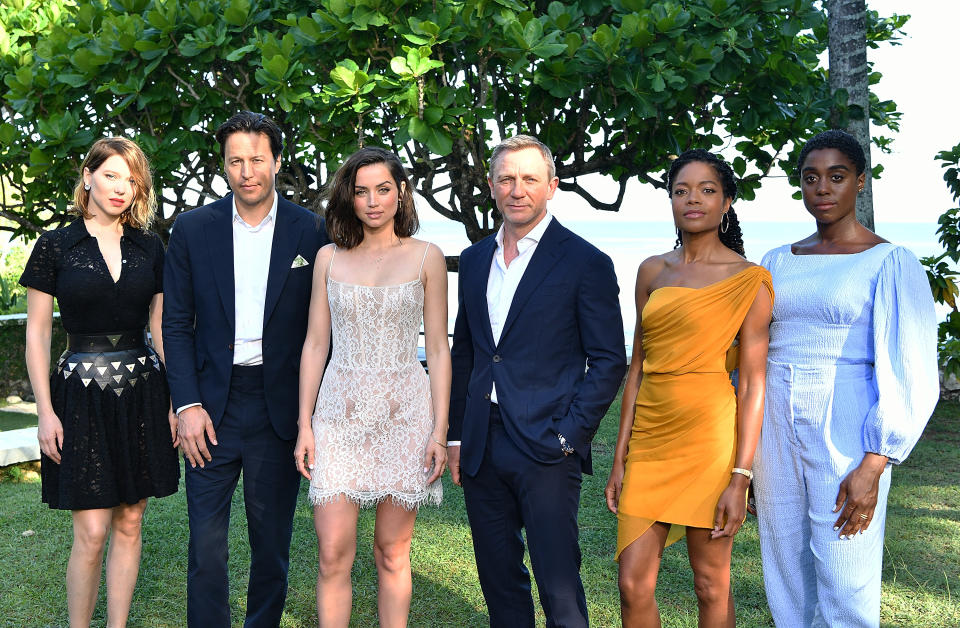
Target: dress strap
(330, 265)
(425, 249)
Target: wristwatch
(564, 445)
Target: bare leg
(710, 560)
(639, 566)
(336, 526)
(392, 536)
(90, 531)
(123, 561)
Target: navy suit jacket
(560, 359)
(199, 314)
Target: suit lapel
(286, 242)
(545, 257)
(219, 233)
(475, 297)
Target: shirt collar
(76, 232)
(270, 217)
(531, 238)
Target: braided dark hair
(839, 140)
(732, 238)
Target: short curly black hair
(841, 141)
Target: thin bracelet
(746, 472)
(438, 442)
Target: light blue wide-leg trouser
(812, 438)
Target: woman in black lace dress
(106, 432)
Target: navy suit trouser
(247, 444)
(512, 491)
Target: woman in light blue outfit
(851, 381)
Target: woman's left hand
(172, 417)
(436, 459)
(857, 497)
(731, 507)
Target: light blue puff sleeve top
(872, 307)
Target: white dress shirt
(503, 280)
(251, 265)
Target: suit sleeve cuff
(189, 405)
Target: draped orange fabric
(684, 440)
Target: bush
(13, 367)
(941, 274)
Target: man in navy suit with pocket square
(237, 282)
(538, 356)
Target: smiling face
(112, 187)
(375, 196)
(697, 198)
(829, 183)
(521, 186)
(251, 170)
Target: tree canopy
(613, 86)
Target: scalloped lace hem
(367, 499)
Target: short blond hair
(519, 142)
(143, 208)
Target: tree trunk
(847, 30)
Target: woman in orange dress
(687, 437)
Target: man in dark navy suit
(538, 356)
(237, 285)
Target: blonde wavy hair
(143, 208)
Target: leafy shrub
(941, 273)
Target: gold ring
(863, 516)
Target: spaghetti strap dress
(683, 444)
(108, 388)
(374, 412)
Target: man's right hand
(195, 428)
(453, 461)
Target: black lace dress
(113, 404)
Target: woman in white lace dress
(376, 433)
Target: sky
(911, 188)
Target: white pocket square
(299, 262)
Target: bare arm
(39, 331)
(645, 275)
(156, 334)
(438, 357)
(754, 339)
(313, 358)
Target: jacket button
(496, 358)
(230, 346)
(487, 396)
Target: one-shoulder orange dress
(684, 439)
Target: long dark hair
(732, 238)
(343, 226)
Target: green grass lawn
(921, 563)
(16, 420)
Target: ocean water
(629, 242)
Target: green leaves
(436, 140)
(236, 12)
(614, 86)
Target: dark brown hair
(250, 122)
(343, 226)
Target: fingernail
(425, 469)
(311, 467)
